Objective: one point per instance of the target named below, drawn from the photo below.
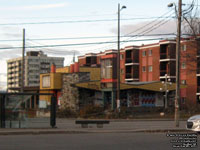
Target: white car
(193, 123)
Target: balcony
(198, 53)
(130, 61)
(198, 90)
(169, 75)
(163, 72)
(33, 62)
(9, 80)
(198, 71)
(131, 76)
(166, 57)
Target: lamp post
(165, 89)
(178, 39)
(118, 58)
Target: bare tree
(191, 19)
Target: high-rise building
(35, 62)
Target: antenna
(74, 57)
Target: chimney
(53, 68)
(76, 67)
(72, 68)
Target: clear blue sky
(35, 11)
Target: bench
(99, 123)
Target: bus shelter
(16, 111)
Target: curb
(39, 132)
(135, 120)
(123, 120)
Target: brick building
(151, 63)
(156, 62)
(133, 93)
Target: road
(91, 141)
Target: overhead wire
(152, 28)
(75, 21)
(74, 44)
(146, 25)
(142, 33)
(127, 34)
(61, 52)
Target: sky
(72, 22)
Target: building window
(150, 52)
(183, 81)
(46, 81)
(143, 69)
(121, 56)
(150, 69)
(183, 47)
(122, 71)
(183, 99)
(183, 65)
(144, 53)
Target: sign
(42, 104)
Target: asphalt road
(92, 141)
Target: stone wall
(70, 93)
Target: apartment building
(89, 60)
(36, 62)
(157, 62)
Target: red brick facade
(151, 62)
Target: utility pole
(166, 91)
(22, 65)
(178, 40)
(118, 57)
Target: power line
(77, 44)
(58, 52)
(74, 38)
(75, 21)
(146, 25)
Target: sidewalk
(68, 126)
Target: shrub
(91, 111)
(66, 113)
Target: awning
(149, 86)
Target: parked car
(193, 123)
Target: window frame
(144, 54)
(150, 70)
(183, 65)
(150, 52)
(143, 68)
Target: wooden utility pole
(118, 59)
(178, 40)
(22, 64)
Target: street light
(118, 57)
(177, 99)
(166, 83)
(170, 5)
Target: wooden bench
(99, 123)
